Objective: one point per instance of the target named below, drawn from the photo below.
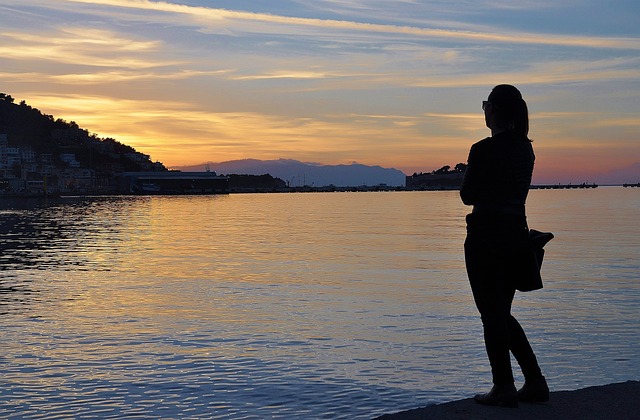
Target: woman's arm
(469, 191)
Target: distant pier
(631, 185)
(563, 186)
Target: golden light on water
(185, 306)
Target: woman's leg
(495, 314)
(493, 299)
(535, 388)
(521, 349)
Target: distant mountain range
(297, 173)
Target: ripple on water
(341, 309)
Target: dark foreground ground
(610, 402)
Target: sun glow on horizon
(194, 83)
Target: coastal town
(44, 156)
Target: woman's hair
(509, 109)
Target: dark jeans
(493, 258)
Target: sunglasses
(485, 104)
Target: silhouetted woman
(496, 183)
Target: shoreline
(288, 190)
(613, 401)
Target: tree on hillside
(443, 170)
(460, 167)
(6, 98)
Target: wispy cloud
(151, 125)
(81, 46)
(249, 22)
(109, 77)
(328, 81)
(107, 48)
(283, 74)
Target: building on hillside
(70, 160)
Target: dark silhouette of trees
(460, 167)
(254, 183)
(27, 126)
(6, 98)
(444, 177)
(443, 170)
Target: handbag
(531, 278)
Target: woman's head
(508, 110)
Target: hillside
(28, 128)
(40, 152)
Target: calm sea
(327, 306)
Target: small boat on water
(145, 188)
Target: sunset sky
(392, 83)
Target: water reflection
(299, 305)
(14, 295)
(39, 239)
(58, 235)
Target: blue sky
(391, 83)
